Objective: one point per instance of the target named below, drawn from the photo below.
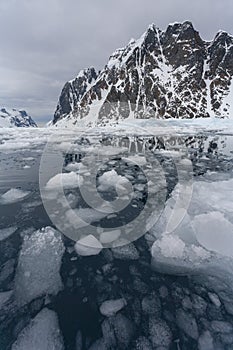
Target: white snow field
(42, 333)
(38, 270)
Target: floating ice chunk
(90, 215)
(74, 166)
(221, 327)
(88, 246)
(110, 179)
(151, 305)
(39, 265)
(7, 270)
(215, 299)
(30, 159)
(171, 255)
(79, 341)
(5, 297)
(187, 323)
(42, 333)
(73, 219)
(33, 204)
(142, 343)
(126, 252)
(111, 307)
(205, 341)
(117, 332)
(13, 195)
(200, 252)
(212, 196)
(99, 344)
(171, 246)
(139, 160)
(64, 181)
(7, 232)
(214, 232)
(109, 237)
(160, 333)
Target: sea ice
(111, 179)
(42, 333)
(7, 232)
(160, 333)
(117, 332)
(205, 341)
(13, 195)
(171, 246)
(215, 299)
(39, 265)
(110, 236)
(5, 297)
(64, 181)
(202, 241)
(214, 233)
(90, 215)
(88, 246)
(126, 252)
(111, 307)
(187, 323)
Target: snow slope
(15, 118)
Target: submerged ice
(42, 333)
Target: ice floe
(42, 333)
(13, 195)
(214, 232)
(64, 181)
(38, 270)
(7, 232)
(109, 236)
(5, 297)
(88, 246)
(111, 307)
(202, 243)
(111, 179)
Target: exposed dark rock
(162, 75)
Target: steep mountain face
(14, 118)
(164, 74)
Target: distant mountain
(14, 118)
(164, 74)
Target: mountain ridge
(15, 118)
(164, 74)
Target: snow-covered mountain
(164, 74)
(15, 118)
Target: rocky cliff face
(14, 118)
(164, 74)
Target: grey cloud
(45, 43)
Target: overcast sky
(44, 43)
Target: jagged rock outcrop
(15, 118)
(164, 74)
